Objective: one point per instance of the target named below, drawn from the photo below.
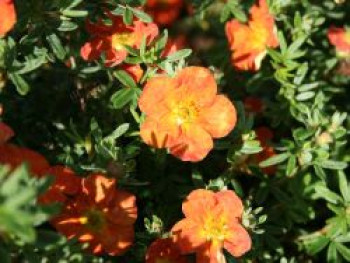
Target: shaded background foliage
(84, 115)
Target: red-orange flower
(135, 71)
(253, 105)
(14, 156)
(249, 42)
(212, 223)
(340, 38)
(164, 12)
(100, 215)
(8, 16)
(164, 251)
(184, 113)
(265, 135)
(112, 39)
(6, 133)
(65, 184)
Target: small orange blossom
(340, 38)
(212, 223)
(249, 42)
(184, 113)
(112, 39)
(100, 215)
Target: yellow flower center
(94, 219)
(259, 36)
(215, 229)
(347, 37)
(120, 40)
(185, 112)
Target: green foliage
(19, 213)
(85, 115)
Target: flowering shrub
(174, 131)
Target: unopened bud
(324, 138)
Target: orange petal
(141, 30)
(197, 202)
(220, 118)
(116, 239)
(158, 135)
(210, 254)
(237, 34)
(154, 94)
(187, 236)
(122, 208)
(98, 188)
(231, 202)
(14, 156)
(337, 37)
(193, 145)
(239, 243)
(197, 83)
(8, 16)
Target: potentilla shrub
(174, 131)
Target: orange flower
(6, 133)
(249, 42)
(340, 38)
(8, 16)
(264, 135)
(253, 105)
(65, 184)
(111, 40)
(100, 215)
(184, 113)
(164, 251)
(212, 222)
(14, 156)
(164, 12)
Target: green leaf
(125, 79)
(344, 186)
(315, 245)
(122, 97)
(122, 129)
(178, 55)
(302, 134)
(74, 13)
(274, 160)
(305, 96)
(251, 147)
(321, 191)
(67, 26)
(21, 85)
(141, 15)
(128, 16)
(332, 253)
(282, 40)
(56, 46)
(344, 251)
(291, 165)
(333, 165)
